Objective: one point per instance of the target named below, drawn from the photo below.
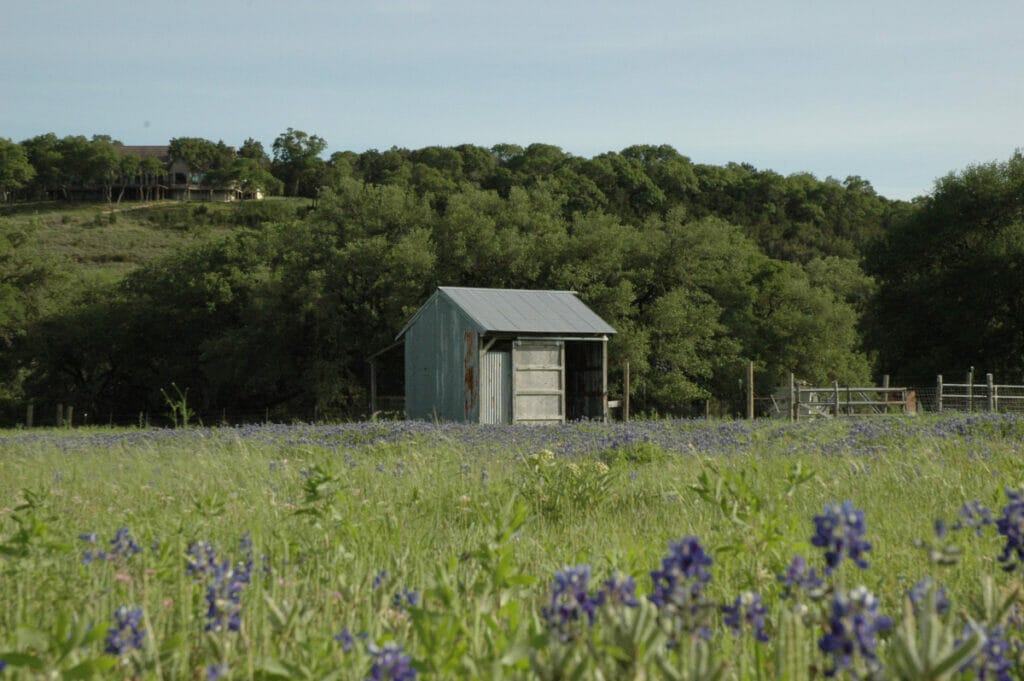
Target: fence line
(971, 396)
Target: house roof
(523, 311)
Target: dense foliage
(701, 269)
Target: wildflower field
(887, 548)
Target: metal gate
(538, 381)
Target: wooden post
(990, 384)
(794, 408)
(625, 391)
(60, 414)
(938, 393)
(885, 386)
(750, 391)
(373, 388)
(835, 389)
(70, 418)
(29, 413)
(970, 390)
(849, 401)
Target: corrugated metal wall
(496, 385)
(441, 355)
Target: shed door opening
(586, 385)
(538, 381)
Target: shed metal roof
(524, 311)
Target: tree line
(700, 268)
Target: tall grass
(446, 539)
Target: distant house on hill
(177, 180)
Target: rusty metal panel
(496, 386)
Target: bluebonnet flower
(678, 586)
(571, 600)
(798, 577)
(389, 664)
(840, 531)
(850, 632)
(225, 582)
(973, 516)
(216, 671)
(405, 597)
(994, 661)
(619, 590)
(127, 633)
(3, 665)
(345, 638)
(123, 544)
(747, 609)
(1011, 526)
(919, 592)
(224, 597)
(380, 578)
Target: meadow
(881, 548)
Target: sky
(898, 93)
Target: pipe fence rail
(972, 396)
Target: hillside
(102, 242)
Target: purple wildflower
(123, 544)
(798, 577)
(216, 671)
(571, 601)
(994, 661)
(850, 633)
(678, 586)
(345, 638)
(747, 609)
(973, 516)
(380, 578)
(127, 633)
(1011, 526)
(840, 531)
(405, 598)
(919, 593)
(389, 664)
(620, 590)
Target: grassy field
(103, 242)
(383, 550)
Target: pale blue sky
(899, 93)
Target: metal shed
(505, 356)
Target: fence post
(794, 407)
(938, 392)
(750, 391)
(990, 384)
(60, 414)
(835, 388)
(970, 390)
(885, 394)
(69, 421)
(29, 413)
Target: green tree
(15, 170)
(951, 278)
(297, 162)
